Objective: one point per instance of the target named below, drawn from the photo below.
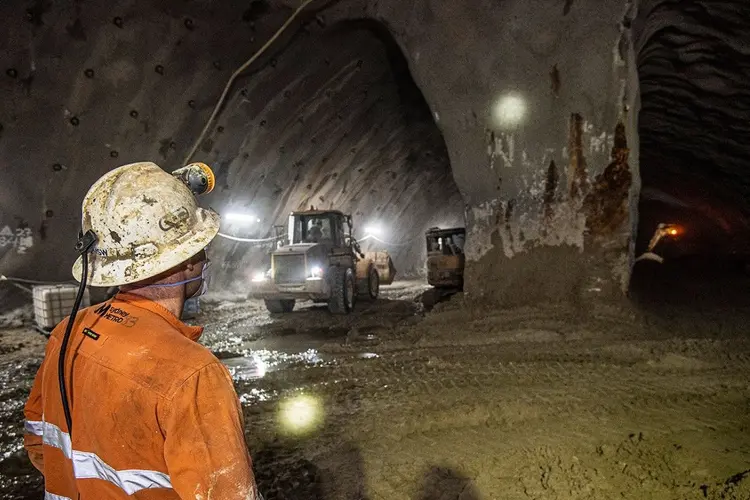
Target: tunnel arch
(692, 127)
(335, 121)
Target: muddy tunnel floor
(464, 402)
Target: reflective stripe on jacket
(155, 415)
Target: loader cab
(319, 227)
(445, 257)
(446, 241)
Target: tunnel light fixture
(373, 230)
(509, 110)
(240, 217)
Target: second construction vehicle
(664, 233)
(445, 264)
(445, 257)
(322, 262)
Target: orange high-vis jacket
(155, 415)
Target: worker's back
(154, 414)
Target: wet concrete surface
(464, 402)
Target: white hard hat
(147, 222)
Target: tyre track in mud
(426, 397)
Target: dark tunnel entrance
(334, 121)
(694, 156)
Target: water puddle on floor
(253, 365)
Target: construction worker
(153, 414)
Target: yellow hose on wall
(239, 71)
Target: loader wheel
(373, 283)
(342, 291)
(368, 288)
(279, 306)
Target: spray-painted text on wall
(20, 239)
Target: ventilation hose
(85, 242)
(239, 71)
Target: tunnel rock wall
(322, 120)
(694, 70)
(331, 125)
(552, 195)
(86, 87)
(547, 194)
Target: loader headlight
(260, 276)
(316, 272)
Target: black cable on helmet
(85, 242)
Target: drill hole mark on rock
(89, 73)
(76, 30)
(34, 14)
(133, 113)
(189, 24)
(117, 21)
(12, 72)
(159, 69)
(258, 8)
(554, 76)
(114, 154)
(75, 121)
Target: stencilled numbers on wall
(20, 239)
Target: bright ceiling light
(374, 230)
(239, 217)
(509, 110)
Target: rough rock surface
(90, 87)
(465, 403)
(694, 68)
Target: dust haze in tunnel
(694, 69)
(334, 121)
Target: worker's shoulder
(152, 353)
(162, 360)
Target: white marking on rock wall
(532, 224)
(479, 240)
(511, 150)
(600, 144)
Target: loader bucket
(384, 264)
(650, 256)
